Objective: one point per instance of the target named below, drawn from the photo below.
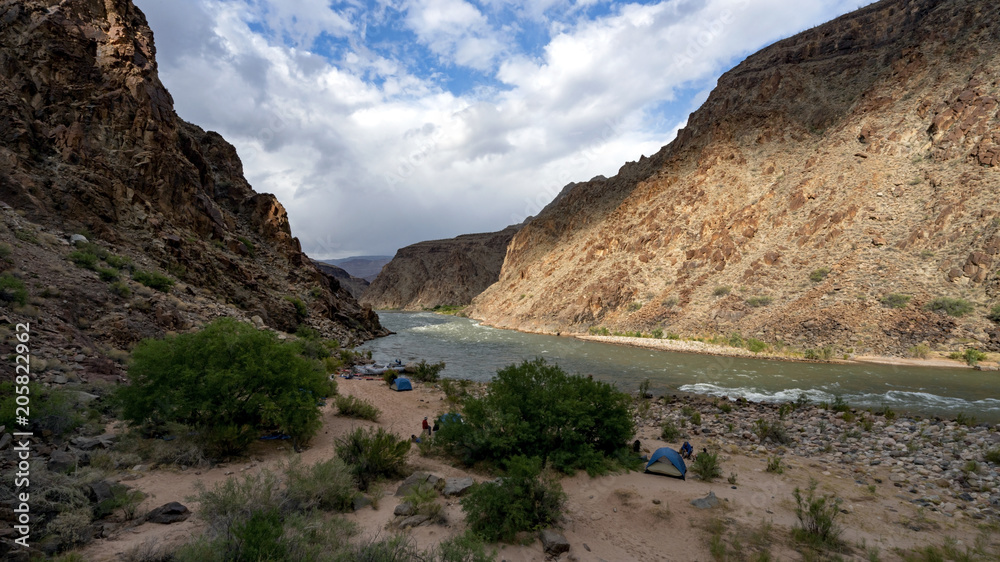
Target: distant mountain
(440, 272)
(354, 285)
(365, 267)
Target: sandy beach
(903, 482)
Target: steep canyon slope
(852, 161)
(90, 143)
(446, 272)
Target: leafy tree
(229, 381)
(536, 409)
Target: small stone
(706, 502)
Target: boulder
(457, 486)
(77, 239)
(553, 542)
(361, 501)
(706, 502)
(404, 509)
(166, 514)
(5, 441)
(413, 521)
(101, 490)
(61, 461)
(416, 479)
(88, 443)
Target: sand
(622, 517)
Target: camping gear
(667, 462)
(400, 384)
(450, 417)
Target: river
(471, 350)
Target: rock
(166, 514)
(706, 502)
(416, 479)
(553, 542)
(61, 461)
(77, 239)
(5, 441)
(457, 486)
(101, 490)
(84, 397)
(360, 502)
(88, 443)
(404, 509)
(413, 521)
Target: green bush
(817, 516)
(896, 300)
(735, 340)
(228, 381)
(520, 501)
(950, 306)
(373, 454)
(669, 431)
(86, 260)
(706, 466)
(773, 430)
(536, 409)
(426, 372)
(920, 351)
(153, 280)
(774, 465)
(121, 289)
(107, 274)
(755, 345)
(758, 302)
(994, 314)
(13, 290)
(973, 356)
(356, 408)
(301, 310)
(119, 262)
(467, 547)
(993, 455)
(5, 252)
(327, 485)
(721, 291)
(657, 333)
(818, 275)
(52, 409)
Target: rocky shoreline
(940, 465)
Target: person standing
(427, 427)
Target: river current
(471, 350)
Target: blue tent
(401, 383)
(450, 417)
(668, 462)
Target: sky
(382, 123)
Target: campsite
(637, 515)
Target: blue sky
(381, 123)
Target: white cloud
(369, 150)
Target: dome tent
(400, 384)
(668, 462)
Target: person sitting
(414, 438)
(686, 450)
(636, 446)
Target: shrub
(920, 351)
(735, 340)
(389, 377)
(775, 431)
(536, 409)
(373, 454)
(721, 291)
(774, 465)
(818, 275)
(758, 302)
(840, 405)
(896, 300)
(725, 407)
(86, 260)
(5, 252)
(356, 408)
(52, 409)
(696, 418)
(121, 289)
(250, 248)
(994, 314)
(817, 515)
(13, 290)
(706, 466)
(966, 420)
(423, 498)
(520, 501)
(301, 311)
(228, 381)
(107, 274)
(153, 280)
(119, 262)
(993, 455)
(426, 372)
(467, 547)
(657, 333)
(669, 431)
(327, 485)
(973, 356)
(755, 345)
(950, 306)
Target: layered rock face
(854, 160)
(440, 272)
(90, 142)
(356, 286)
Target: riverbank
(706, 348)
(904, 483)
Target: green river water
(473, 351)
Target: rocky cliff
(356, 286)
(91, 144)
(440, 272)
(853, 161)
